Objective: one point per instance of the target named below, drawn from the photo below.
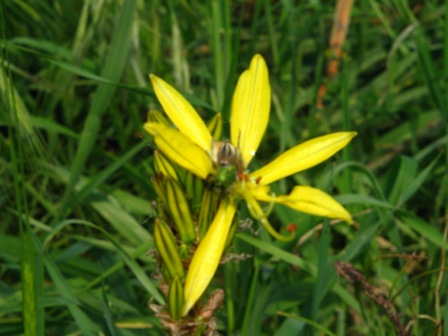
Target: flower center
(229, 164)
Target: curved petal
(311, 201)
(181, 113)
(303, 156)
(250, 108)
(208, 255)
(180, 149)
(251, 193)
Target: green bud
(194, 187)
(207, 212)
(179, 209)
(167, 248)
(198, 190)
(175, 298)
(189, 185)
(163, 166)
(157, 182)
(232, 232)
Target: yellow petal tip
(349, 220)
(154, 79)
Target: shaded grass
(72, 151)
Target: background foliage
(76, 197)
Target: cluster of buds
(186, 207)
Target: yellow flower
(225, 163)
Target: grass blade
(112, 71)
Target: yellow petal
(312, 201)
(303, 156)
(258, 213)
(180, 149)
(208, 255)
(181, 113)
(250, 108)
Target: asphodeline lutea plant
(225, 165)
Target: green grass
(76, 251)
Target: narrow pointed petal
(303, 156)
(311, 201)
(250, 108)
(208, 255)
(177, 147)
(181, 113)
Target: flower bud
(175, 298)
(157, 182)
(167, 248)
(207, 212)
(163, 166)
(179, 209)
(194, 188)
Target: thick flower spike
(249, 118)
(225, 166)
